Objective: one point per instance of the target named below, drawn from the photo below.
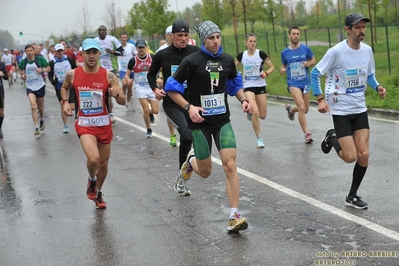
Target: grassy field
(277, 83)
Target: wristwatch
(187, 106)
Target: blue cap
(90, 44)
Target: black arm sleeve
(263, 55)
(153, 71)
(119, 51)
(72, 63)
(51, 73)
(239, 57)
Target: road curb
(374, 111)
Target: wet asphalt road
(292, 194)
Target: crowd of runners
(194, 82)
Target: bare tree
(113, 18)
(244, 8)
(371, 24)
(83, 19)
(231, 6)
(291, 11)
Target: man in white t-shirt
(8, 60)
(123, 60)
(348, 66)
(109, 45)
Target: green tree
(213, 10)
(360, 6)
(385, 4)
(301, 12)
(271, 12)
(149, 17)
(374, 6)
(231, 8)
(245, 4)
(395, 5)
(255, 13)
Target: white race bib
(298, 71)
(251, 72)
(213, 104)
(355, 80)
(91, 102)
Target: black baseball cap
(141, 43)
(180, 26)
(354, 18)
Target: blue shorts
(39, 93)
(305, 88)
(123, 73)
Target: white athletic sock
(191, 159)
(14, 75)
(232, 211)
(93, 179)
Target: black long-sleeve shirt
(207, 76)
(165, 59)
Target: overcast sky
(37, 19)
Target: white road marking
(350, 217)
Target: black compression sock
(358, 174)
(335, 143)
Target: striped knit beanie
(205, 29)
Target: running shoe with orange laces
(91, 190)
(100, 203)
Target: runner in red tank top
(93, 86)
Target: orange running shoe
(91, 190)
(100, 203)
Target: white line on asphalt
(353, 218)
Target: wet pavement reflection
(9, 201)
(104, 252)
